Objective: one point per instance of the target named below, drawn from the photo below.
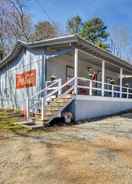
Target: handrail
(64, 85)
(53, 90)
(52, 84)
(44, 90)
(85, 79)
(59, 90)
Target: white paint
(121, 79)
(27, 109)
(91, 85)
(103, 76)
(59, 86)
(127, 92)
(94, 107)
(42, 108)
(57, 66)
(76, 69)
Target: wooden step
(36, 126)
(53, 109)
(45, 119)
(66, 97)
(47, 113)
(60, 99)
(25, 123)
(56, 105)
(44, 122)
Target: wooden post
(43, 70)
(127, 92)
(42, 108)
(121, 79)
(46, 89)
(76, 70)
(27, 109)
(112, 91)
(103, 76)
(90, 88)
(59, 86)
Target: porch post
(27, 108)
(103, 76)
(75, 69)
(43, 70)
(121, 79)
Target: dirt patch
(98, 152)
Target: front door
(69, 72)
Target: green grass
(8, 121)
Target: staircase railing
(64, 89)
(40, 100)
(33, 104)
(81, 86)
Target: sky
(113, 12)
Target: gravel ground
(98, 152)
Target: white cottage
(64, 74)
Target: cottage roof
(69, 40)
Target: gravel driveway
(98, 152)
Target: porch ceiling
(94, 60)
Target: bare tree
(119, 42)
(15, 23)
(20, 25)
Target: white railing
(80, 86)
(33, 104)
(64, 89)
(40, 100)
(96, 88)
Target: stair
(52, 110)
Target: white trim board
(100, 98)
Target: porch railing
(40, 100)
(97, 88)
(76, 86)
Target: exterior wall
(83, 70)
(27, 60)
(94, 107)
(32, 59)
(58, 65)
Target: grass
(8, 121)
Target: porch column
(75, 69)
(103, 76)
(43, 70)
(121, 80)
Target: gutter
(69, 39)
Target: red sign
(26, 79)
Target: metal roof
(74, 40)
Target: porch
(65, 92)
(92, 75)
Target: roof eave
(104, 54)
